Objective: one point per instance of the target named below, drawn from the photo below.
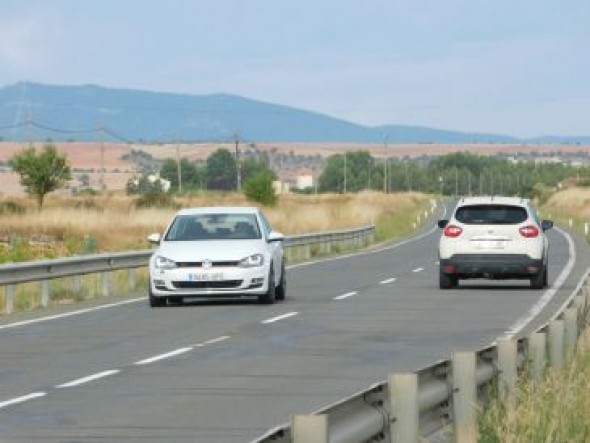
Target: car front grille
(215, 264)
(224, 284)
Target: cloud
(28, 43)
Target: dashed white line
(387, 281)
(22, 399)
(217, 340)
(347, 295)
(88, 379)
(418, 270)
(280, 317)
(164, 356)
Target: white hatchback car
(495, 238)
(217, 252)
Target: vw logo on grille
(207, 264)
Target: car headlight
(164, 263)
(252, 261)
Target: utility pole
(101, 136)
(178, 173)
(238, 166)
(30, 127)
(385, 167)
(345, 171)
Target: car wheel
(281, 290)
(538, 280)
(156, 302)
(269, 296)
(446, 281)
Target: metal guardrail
(443, 396)
(297, 247)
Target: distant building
(304, 181)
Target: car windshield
(213, 227)
(491, 215)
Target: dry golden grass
(572, 202)
(114, 222)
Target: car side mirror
(154, 238)
(546, 224)
(275, 236)
(443, 223)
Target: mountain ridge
(62, 112)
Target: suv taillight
(529, 231)
(452, 231)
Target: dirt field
(89, 156)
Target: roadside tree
(41, 173)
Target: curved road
(228, 371)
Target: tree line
(459, 173)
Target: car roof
(219, 210)
(493, 200)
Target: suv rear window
(491, 215)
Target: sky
(514, 67)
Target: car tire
(269, 296)
(281, 290)
(156, 302)
(539, 279)
(446, 281)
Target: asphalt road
(228, 371)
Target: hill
(77, 113)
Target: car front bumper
(494, 266)
(217, 282)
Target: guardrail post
(537, 354)
(76, 284)
(132, 278)
(403, 401)
(310, 428)
(464, 397)
(507, 353)
(45, 291)
(289, 253)
(9, 291)
(105, 283)
(556, 331)
(570, 318)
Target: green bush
(156, 199)
(260, 189)
(10, 207)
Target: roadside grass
(557, 409)
(106, 223)
(570, 204)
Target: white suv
(494, 238)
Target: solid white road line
(70, 314)
(280, 317)
(418, 270)
(88, 379)
(343, 296)
(549, 294)
(164, 356)
(387, 281)
(22, 399)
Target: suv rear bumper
(495, 266)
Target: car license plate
(213, 276)
(490, 244)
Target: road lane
(241, 375)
